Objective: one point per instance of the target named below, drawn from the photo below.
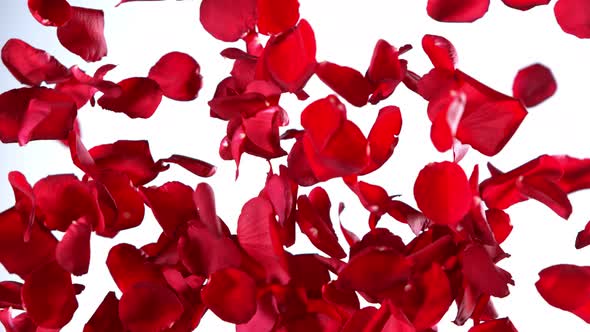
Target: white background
(492, 50)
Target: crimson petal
(228, 20)
(583, 237)
(546, 192)
(573, 16)
(140, 98)
(178, 75)
(525, 4)
(195, 166)
(457, 10)
(10, 292)
(231, 295)
(73, 251)
(567, 287)
(149, 307)
(385, 72)
(383, 137)
(276, 16)
(128, 265)
(480, 270)
(345, 81)
(290, 57)
(83, 34)
(497, 325)
(48, 295)
(442, 192)
(50, 12)
(106, 316)
(172, 205)
(441, 51)
(534, 84)
(32, 66)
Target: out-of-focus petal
(534, 84)
(497, 325)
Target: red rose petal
(83, 34)
(383, 137)
(374, 271)
(106, 316)
(276, 16)
(442, 192)
(178, 75)
(128, 265)
(32, 66)
(567, 287)
(281, 192)
(258, 236)
(576, 173)
(73, 251)
(573, 16)
(480, 270)
(231, 295)
(18, 256)
(10, 294)
(385, 72)
(498, 325)
(583, 237)
(265, 317)
(534, 84)
(20, 323)
(441, 51)
(24, 199)
(457, 10)
(48, 296)
(140, 98)
(204, 199)
(346, 82)
(436, 299)
(50, 12)
(29, 114)
(359, 320)
(195, 166)
(290, 58)
(228, 20)
(499, 223)
(525, 4)
(546, 192)
(172, 205)
(149, 307)
(314, 220)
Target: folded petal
(345, 81)
(231, 295)
(385, 71)
(384, 136)
(534, 84)
(546, 192)
(441, 51)
(83, 34)
(178, 75)
(140, 98)
(228, 20)
(195, 166)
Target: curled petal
(346, 82)
(385, 72)
(441, 51)
(172, 205)
(140, 97)
(83, 34)
(178, 75)
(128, 266)
(50, 12)
(195, 166)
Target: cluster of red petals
(250, 278)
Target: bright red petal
(32, 66)
(178, 75)
(228, 20)
(276, 16)
(384, 136)
(346, 82)
(457, 10)
(442, 192)
(573, 16)
(385, 72)
(441, 51)
(139, 99)
(231, 295)
(567, 287)
(83, 34)
(290, 58)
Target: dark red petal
(32, 66)
(573, 16)
(383, 137)
(567, 287)
(259, 237)
(290, 58)
(63, 199)
(130, 157)
(359, 320)
(172, 205)
(281, 192)
(50, 12)
(231, 295)
(149, 307)
(262, 132)
(139, 99)
(128, 266)
(228, 20)
(546, 192)
(178, 75)
(533, 85)
(497, 325)
(20, 323)
(18, 256)
(499, 223)
(106, 316)
(309, 273)
(30, 114)
(314, 221)
(385, 71)
(203, 252)
(441, 51)
(195, 166)
(73, 251)
(436, 299)
(24, 199)
(525, 4)
(583, 237)
(265, 317)
(345, 81)
(457, 10)
(83, 34)
(374, 271)
(10, 295)
(490, 118)
(276, 16)
(442, 192)
(481, 272)
(48, 296)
